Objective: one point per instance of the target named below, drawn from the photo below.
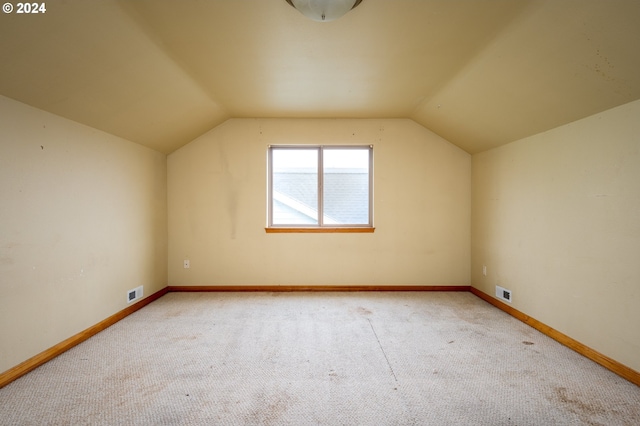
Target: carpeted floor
(388, 358)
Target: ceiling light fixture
(324, 10)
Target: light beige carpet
(320, 358)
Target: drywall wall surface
(217, 188)
(82, 221)
(556, 220)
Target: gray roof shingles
(346, 195)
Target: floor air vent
(134, 294)
(503, 293)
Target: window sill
(323, 230)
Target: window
(320, 188)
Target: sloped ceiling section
(480, 73)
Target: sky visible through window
(333, 158)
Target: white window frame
(321, 226)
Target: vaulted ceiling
(479, 73)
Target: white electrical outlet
(187, 264)
(484, 270)
(504, 294)
(134, 294)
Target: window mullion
(320, 188)
(270, 186)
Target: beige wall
(556, 219)
(217, 209)
(82, 220)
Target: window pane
(346, 186)
(295, 186)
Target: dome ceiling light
(324, 10)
